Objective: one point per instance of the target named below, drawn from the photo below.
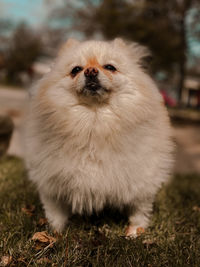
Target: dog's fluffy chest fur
(103, 166)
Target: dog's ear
(138, 51)
(70, 43)
(119, 42)
(139, 54)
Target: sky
(33, 12)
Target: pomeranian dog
(98, 133)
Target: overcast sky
(33, 12)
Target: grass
(173, 239)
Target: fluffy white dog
(98, 133)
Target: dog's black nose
(91, 72)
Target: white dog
(98, 133)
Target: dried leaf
(43, 260)
(105, 229)
(42, 221)
(5, 260)
(28, 210)
(66, 255)
(148, 241)
(180, 222)
(196, 208)
(21, 259)
(38, 246)
(172, 238)
(140, 230)
(43, 237)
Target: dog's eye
(109, 67)
(76, 70)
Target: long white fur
(84, 153)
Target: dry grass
(173, 239)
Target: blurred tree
(161, 25)
(5, 25)
(24, 47)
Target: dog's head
(96, 79)
(95, 70)
(98, 74)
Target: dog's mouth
(93, 87)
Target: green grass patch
(173, 239)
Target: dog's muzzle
(92, 83)
(92, 86)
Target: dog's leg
(139, 218)
(56, 214)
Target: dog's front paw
(56, 213)
(57, 223)
(133, 231)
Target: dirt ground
(186, 135)
(187, 139)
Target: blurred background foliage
(22, 50)
(160, 25)
(171, 29)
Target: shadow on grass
(173, 238)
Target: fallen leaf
(43, 260)
(140, 230)
(43, 237)
(5, 260)
(39, 246)
(28, 210)
(148, 241)
(172, 238)
(42, 221)
(196, 208)
(180, 222)
(21, 259)
(105, 229)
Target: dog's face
(93, 79)
(99, 83)
(98, 74)
(94, 71)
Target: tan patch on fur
(92, 62)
